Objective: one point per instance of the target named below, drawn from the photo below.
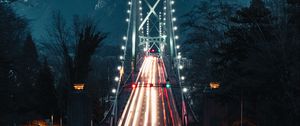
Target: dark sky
(111, 14)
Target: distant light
(180, 67)
(172, 2)
(122, 47)
(121, 57)
(174, 19)
(124, 38)
(128, 11)
(117, 78)
(168, 85)
(129, 3)
(145, 49)
(175, 28)
(78, 86)
(214, 85)
(182, 78)
(165, 8)
(184, 89)
(140, 2)
(114, 90)
(152, 50)
(119, 67)
(179, 57)
(127, 20)
(178, 46)
(173, 10)
(140, 8)
(176, 37)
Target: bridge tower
(151, 25)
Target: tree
(204, 25)
(12, 29)
(89, 40)
(257, 63)
(45, 92)
(74, 50)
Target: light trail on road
(149, 104)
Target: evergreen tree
(27, 68)
(45, 92)
(255, 64)
(12, 29)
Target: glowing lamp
(78, 86)
(133, 86)
(214, 85)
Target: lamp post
(214, 85)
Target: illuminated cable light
(179, 57)
(176, 37)
(184, 90)
(133, 85)
(124, 38)
(180, 67)
(140, 8)
(140, 2)
(121, 57)
(175, 28)
(113, 91)
(119, 67)
(129, 3)
(173, 10)
(177, 47)
(182, 78)
(128, 11)
(117, 78)
(127, 20)
(123, 47)
(173, 19)
(165, 8)
(172, 2)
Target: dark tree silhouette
(75, 50)
(12, 32)
(89, 40)
(45, 92)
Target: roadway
(149, 104)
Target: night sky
(110, 14)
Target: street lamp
(180, 67)
(214, 85)
(79, 86)
(182, 78)
(113, 90)
(184, 90)
(119, 67)
(117, 79)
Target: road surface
(150, 104)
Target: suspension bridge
(150, 67)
